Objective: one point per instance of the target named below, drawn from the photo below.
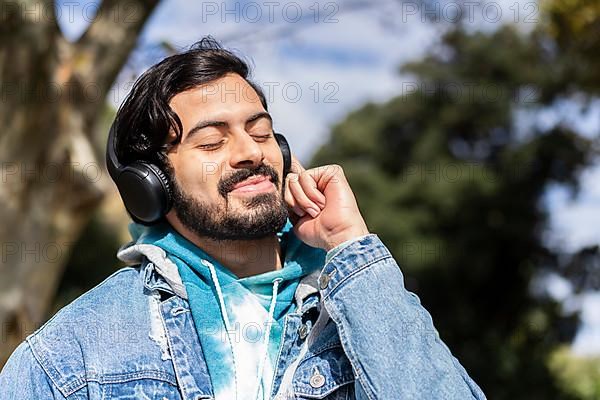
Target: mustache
(226, 185)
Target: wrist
(345, 236)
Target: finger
(291, 201)
(325, 175)
(305, 203)
(296, 166)
(309, 186)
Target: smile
(254, 184)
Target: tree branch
(104, 48)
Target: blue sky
(321, 60)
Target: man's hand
(322, 206)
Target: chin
(258, 201)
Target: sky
(317, 61)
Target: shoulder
(23, 377)
(100, 304)
(94, 333)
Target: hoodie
(239, 321)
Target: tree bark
(52, 94)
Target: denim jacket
(356, 333)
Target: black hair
(145, 118)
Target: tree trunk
(52, 94)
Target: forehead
(223, 98)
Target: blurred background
(468, 131)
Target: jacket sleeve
(388, 336)
(22, 378)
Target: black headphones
(145, 189)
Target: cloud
(576, 222)
(587, 341)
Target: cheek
(275, 159)
(198, 178)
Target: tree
(574, 27)
(578, 375)
(53, 95)
(453, 182)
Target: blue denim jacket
(357, 333)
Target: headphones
(145, 189)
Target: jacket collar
(159, 273)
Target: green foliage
(446, 178)
(577, 375)
(574, 26)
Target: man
(251, 279)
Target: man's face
(227, 142)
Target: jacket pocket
(141, 389)
(326, 374)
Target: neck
(242, 257)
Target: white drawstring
(213, 275)
(269, 322)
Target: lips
(253, 180)
(254, 186)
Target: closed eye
(214, 146)
(262, 138)
(211, 145)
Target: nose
(246, 153)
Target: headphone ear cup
(286, 152)
(162, 177)
(145, 191)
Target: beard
(259, 216)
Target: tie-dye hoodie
(239, 321)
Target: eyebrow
(204, 124)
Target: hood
(299, 258)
